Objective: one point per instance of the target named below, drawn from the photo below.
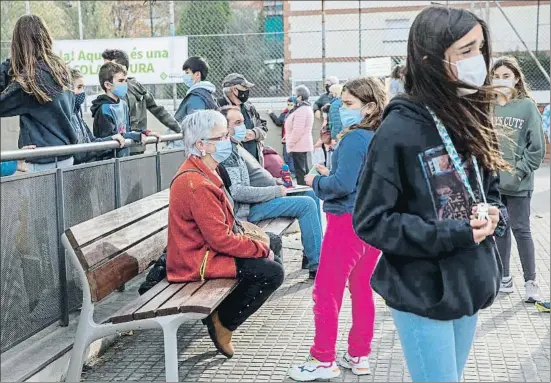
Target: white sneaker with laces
(533, 293)
(359, 365)
(313, 369)
(507, 285)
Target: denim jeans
(519, 216)
(35, 168)
(306, 209)
(435, 351)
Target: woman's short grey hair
(303, 92)
(199, 126)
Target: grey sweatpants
(519, 223)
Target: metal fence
(38, 286)
(278, 44)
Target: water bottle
(286, 176)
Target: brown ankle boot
(220, 336)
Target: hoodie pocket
(509, 181)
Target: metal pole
(541, 68)
(172, 33)
(27, 7)
(62, 268)
(538, 27)
(360, 37)
(323, 69)
(80, 31)
(151, 17)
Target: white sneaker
(506, 285)
(313, 369)
(359, 365)
(533, 293)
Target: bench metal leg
(170, 330)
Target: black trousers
(300, 160)
(258, 279)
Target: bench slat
(264, 223)
(149, 310)
(125, 238)
(126, 313)
(279, 225)
(98, 227)
(172, 306)
(209, 296)
(108, 276)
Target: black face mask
(327, 88)
(243, 95)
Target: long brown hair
(468, 118)
(31, 44)
(368, 89)
(521, 88)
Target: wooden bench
(110, 250)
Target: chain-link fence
(278, 44)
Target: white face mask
(472, 71)
(506, 84)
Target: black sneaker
(304, 262)
(312, 274)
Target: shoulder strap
(188, 171)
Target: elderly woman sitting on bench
(202, 240)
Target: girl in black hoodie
(36, 86)
(434, 158)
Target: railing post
(158, 168)
(60, 215)
(118, 200)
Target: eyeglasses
(220, 138)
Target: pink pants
(344, 257)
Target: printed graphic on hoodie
(450, 198)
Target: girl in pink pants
(344, 256)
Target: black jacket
(413, 207)
(43, 125)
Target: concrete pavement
(512, 340)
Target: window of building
(273, 7)
(396, 30)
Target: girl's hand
(322, 170)
(481, 230)
(493, 213)
(120, 139)
(309, 179)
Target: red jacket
(201, 243)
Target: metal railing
(38, 286)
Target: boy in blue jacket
(110, 112)
(200, 95)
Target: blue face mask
(223, 151)
(188, 81)
(240, 132)
(120, 90)
(350, 117)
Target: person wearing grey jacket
(140, 101)
(259, 196)
(523, 147)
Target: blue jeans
(306, 209)
(435, 351)
(288, 159)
